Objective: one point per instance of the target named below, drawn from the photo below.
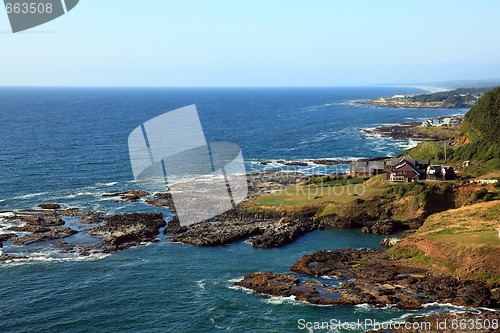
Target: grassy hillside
(463, 242)
(482, 122)
(375, 197)
(478, 139)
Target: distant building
(427, 123)
(366, 168)
(455, 121)
(440, 172)
(406, 169)
(437, 122)
(484, 181)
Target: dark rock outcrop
(372, 277)
(124, 230)
(161, 200)
(40, 218)
(8, 257)
(281, 234)
(84, 216)
(128, 196)
(52, 233)
(6, 237)
(367, 223)
(296, 163)
(174, 226)
(263, 233)
(49, 206)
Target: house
(455, 121)
(366, 168)
(437, 122)
(406, 169)
(440, 172)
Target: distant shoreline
(441, 98)
(429, 89)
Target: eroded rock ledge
(372, 277)
(261, 233)
(113, 233)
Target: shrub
(479, 195)
(493, 164)
(489, 197)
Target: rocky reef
(372, 277)
(260, 233)
(125, 230)
(112, 233)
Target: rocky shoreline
(49, 229)
(406, 131)
(369, 277)
(342, 277)
(49, 224)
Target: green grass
(411, 253)
(480, 237)
(493, 164)
(475, 170)
(457, 241)
(298, 195)
(443, 132)
(492, 279)
(334, 181)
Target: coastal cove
(69, 146)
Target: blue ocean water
(69, 145)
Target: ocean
(69, 146)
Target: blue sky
(256, 43)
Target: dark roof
(396, 160)
(437, 168)
(411, 165)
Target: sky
(235, 43)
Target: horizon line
(376, 85)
